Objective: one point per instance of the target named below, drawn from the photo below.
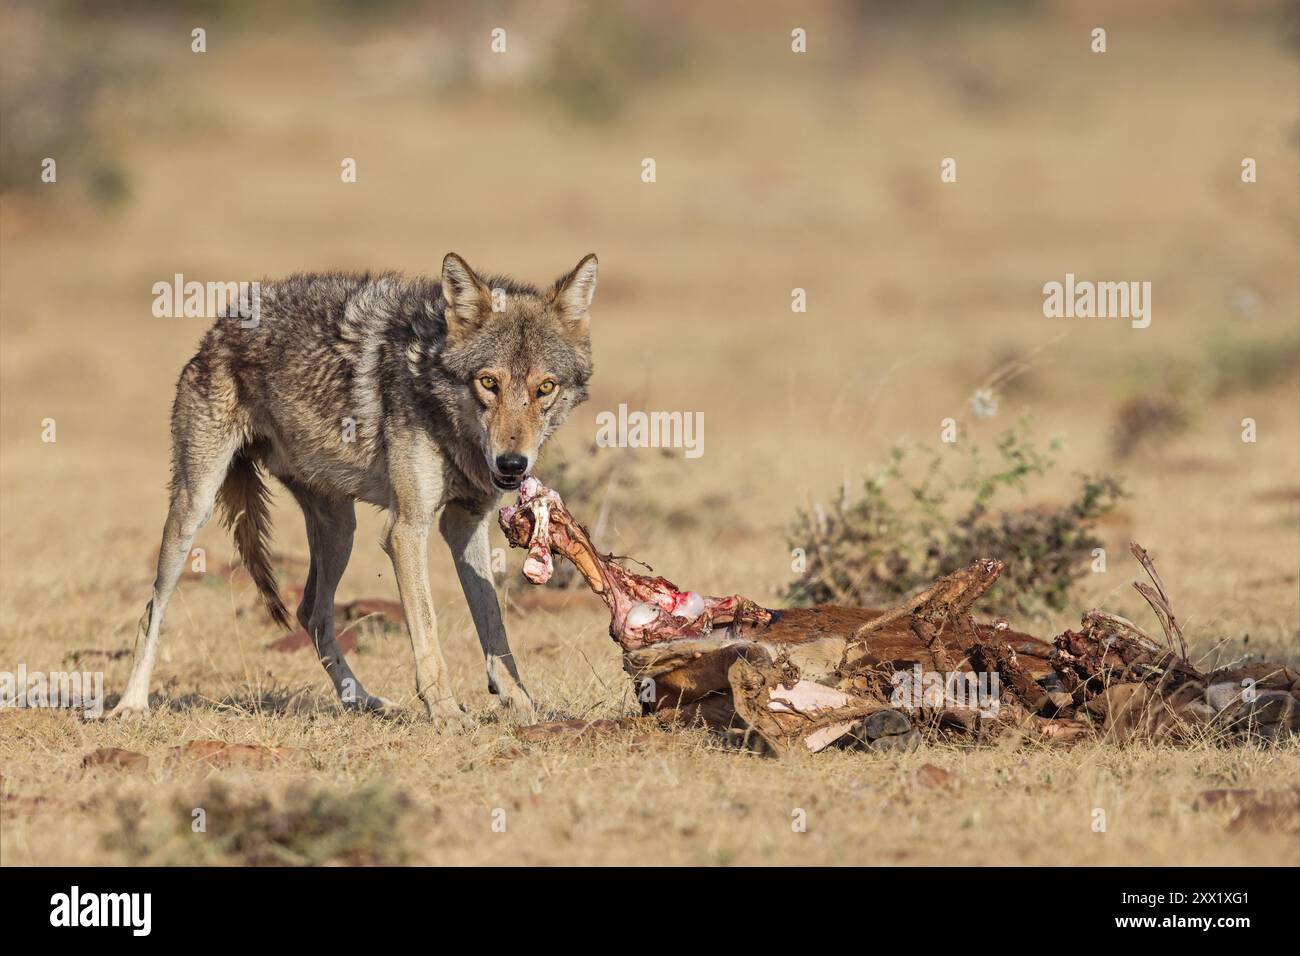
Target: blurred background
(775, 170)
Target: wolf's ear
(468, 299)
(573, 292)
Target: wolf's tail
(244, 498)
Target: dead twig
(1158, 598)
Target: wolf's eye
(488, 382)
(546, 387)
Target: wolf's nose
(512, 466)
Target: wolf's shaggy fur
(408, 394)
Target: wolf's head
(519, 358)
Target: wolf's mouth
(505, 483)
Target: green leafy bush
(929, 512)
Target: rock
(899, 743)
(884, 723)
(932, 777)
(116, 758)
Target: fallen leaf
(116, 758)
(931, 776)
(218, 753)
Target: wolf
(424, 398)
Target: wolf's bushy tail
(244, 499)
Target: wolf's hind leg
(331, 526)
(199, 469)
(305, 500)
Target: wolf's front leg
(406, 543)
(466, 534)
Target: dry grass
(773, 173)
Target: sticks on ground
(803, 679)
(1158, 598)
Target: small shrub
(306, 826)
(928, 513)
(1165, 395)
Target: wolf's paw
(384, 708)
(448, 717)
(512, 700)
(516, 705)
(380, 707)
(125, 710)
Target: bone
(800, 679)
(643, 609)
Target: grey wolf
(424, 398)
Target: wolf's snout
(512, 466)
